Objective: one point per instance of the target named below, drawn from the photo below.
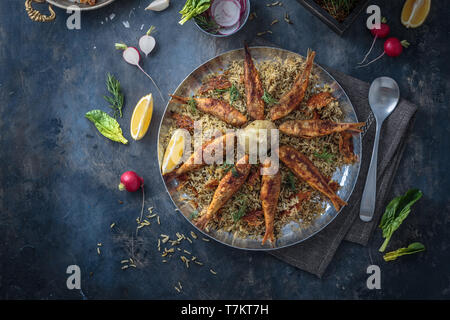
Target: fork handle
(367, 207)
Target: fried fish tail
(292, 99)
(317, 128)
(270, 192)
(302, 167)
(191, 165)
(218, 108)
(253, 87)
(227, 187)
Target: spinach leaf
(412, 248)
(107, 125)
(396, 212)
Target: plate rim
(267, 249)
(56, 3)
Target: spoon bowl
(384, 95)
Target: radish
(130, 181)
(147, 42)
(132, 56)
(381, 32)
(392, 47)
(226, 13)
(230, 30)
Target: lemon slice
(415, 12)
(142, 115)
(174, 152)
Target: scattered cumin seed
(204, 239)
(188, 239)
(123, 261)
(193, 235)
(157, 219)
(212, 271)
(164, 261)
(286, 18)
(273, 4)
(179, 284)
(198, 262)
(263, 33)
(124, 267)
(274, 22)
(177, 289)
(112, 225)
(98, 250)
(185, 251)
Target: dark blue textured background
(58, 190)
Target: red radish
(132, 56)
(230, 30)
(130, 181)
(392, 47)
(226, 13)
(147, 42)
(381, 32)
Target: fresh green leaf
(396, 212)
(412, 248)
(193, 8)
(269, 99)
(116, 101)
(234, 172)
(291, 181)
(107, 125)
(328, 157)
(192, 104)
(194, 215)
(241, 212)
(234, 94)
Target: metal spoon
(383, 98)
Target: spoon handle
(367, 207)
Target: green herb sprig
(269, 99)
(206, 24)
(192, 104)
(232, 91)
(411, 249)
(328, 157)
(237, 215)
(116, 100)
(396, 212)
(291, 181)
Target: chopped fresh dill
(233, 92)
(237, 215)
(269, 99)
(192, 104)
(291, 181)
(328, 157)
(193, 215)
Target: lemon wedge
(415, 12)
(142, 115)
(174, 152)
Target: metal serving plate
(347, 176)
(64, 4)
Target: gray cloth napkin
(316, 253)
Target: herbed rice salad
(277, 77)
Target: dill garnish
(192, 104)
(328, 157)
(242, 209)
(233, 91)
(194, 215)
(207, 24)
(269, 99)
(116, 100)
(291, 182)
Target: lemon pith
(411, 18)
